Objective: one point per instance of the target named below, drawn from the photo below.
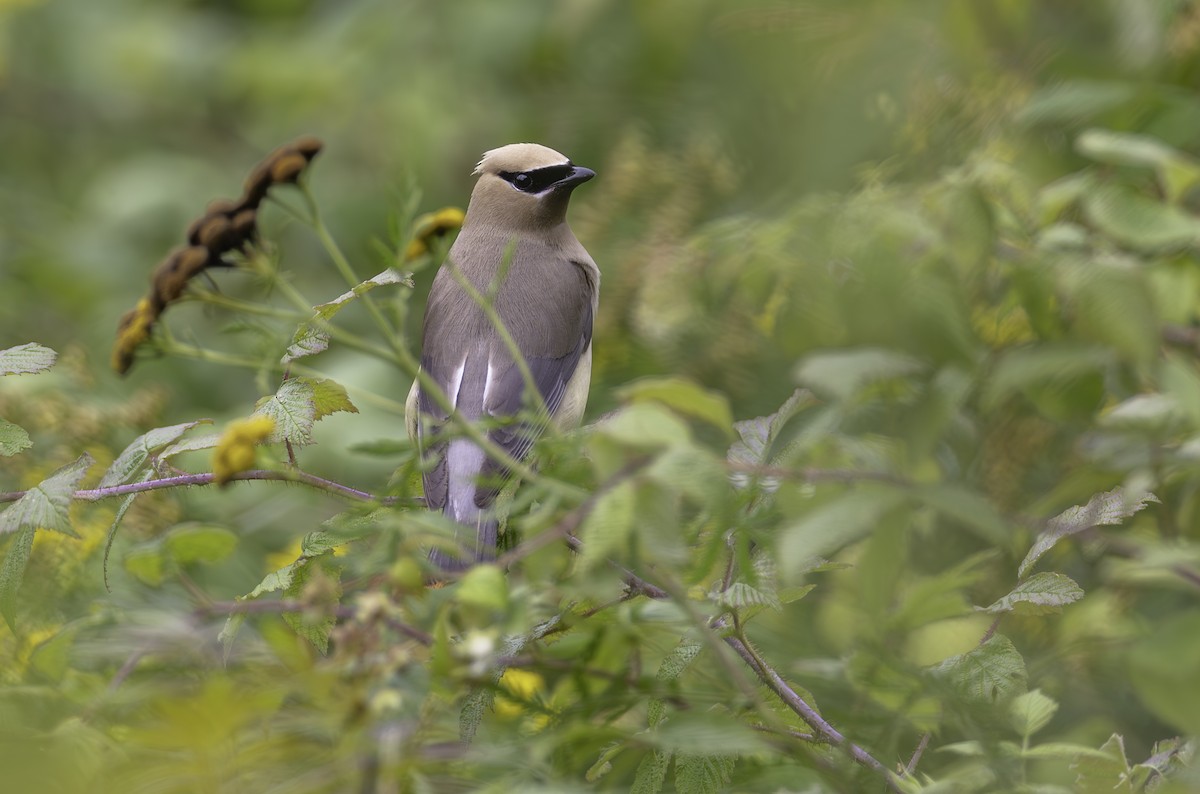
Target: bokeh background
(775, 178)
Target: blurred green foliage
(940, 258)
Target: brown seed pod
(256, 185)
(287, 167)
(245, 228)
(307, 145)
(167, 282)
(216, 234)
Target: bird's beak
(578, 176)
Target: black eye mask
(539, 179)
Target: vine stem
(208, 478)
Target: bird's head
(524, 186)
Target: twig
(916, 756)
(284, 607)
(207, 478)
(827, 732)
(812, 474)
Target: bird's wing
(505, 395)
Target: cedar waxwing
(515, 233)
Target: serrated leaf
(1061, 751)
(189, 543)
(198, 443)
(26, 359)
(991, 672)
(608, 525)
(329, 397)
(704, 774)
(683, 396)
(46, 505)
(1105, 771)
(389, 276)
(13, 572)
(275, 581)
(478, 703)
(293, 409)
(13, 439)
(133, 458)
(1029, 713)
(833, 525)
(756, 437)
(229, 632)
(844, 373)
(1123, 148)
(669, 669)
(651, 773)
(315, 630)
(1041, 593)
(111, 535)
(740, 595)
(1104, 509)
(308, 341)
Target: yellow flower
(133, 329)
(235, 449)
(516, 687)
(429, 226)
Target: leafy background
(966, 232)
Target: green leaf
(1113, 305)
(969, 508)
(485, 587)
(26, 359)
(1054, 365)
(1139, 222)
(1163, 668)
(188, 543)
(131, 461)
(389, 276)
(13, 439)
(146, 564)
(645, 426)
(13, 572)
(756, 440)
(608, 525)
(651, 773)
(704, 774)
(1177, 172)
(705, 733)
(991, 672)
(308, 341)
(740, 595)
(382, 447)
(833, 525)
(1039, 594)
(198, 443)
(1106, 771)
(1076, 101)
(330, 397)
(111, 535)
(844, 373)
(314, 625)
(1103, 509)
(46, 505)
(683, 396)
(1029, 713)
(294, 410)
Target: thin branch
(341, 612)
(773, 681)
(207, 478)
(813, 474)
(911, 767)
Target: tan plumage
(546, 301)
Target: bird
(518, 254)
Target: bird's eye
(522, 181)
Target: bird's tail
(465, 462)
